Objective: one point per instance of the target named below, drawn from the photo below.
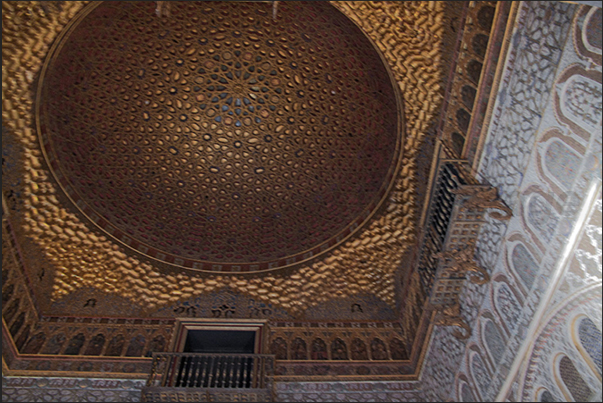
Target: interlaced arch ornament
(588, 342)
(545, 396)
(494, 341)
(572, 380)
(523, 264)
(220, 139)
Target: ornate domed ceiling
(219, 137)
(77, 253)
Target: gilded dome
(219, 138)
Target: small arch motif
(7, 293)
(55, 344)
(319, 350)
(16, 326)
(339, 350)
(542, 217)
(75, 344)
(479, 44)
(299, 350)
(398, 349)
(115, 346)
(562, 163)
(494, 341)
(573, 381)
(378, 350)
(157, 345)
(474, 71)
(485, 16)
(524, 265)
(136, 346)
(11, 311)
(507, 305)
(480, 373)
(22, 338)
(34, 344)
(95, 347)
(467, 394)
(279, 348)
(458, 142)
(468, 94)
(358, 350)
(546, 396)
(590, 340)
(463, 118)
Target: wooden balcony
(187, 377)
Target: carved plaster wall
(70, 390)
(543, 153)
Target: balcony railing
(210, 377)
(449, 177)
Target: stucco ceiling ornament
(82, 256)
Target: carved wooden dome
(219, 138)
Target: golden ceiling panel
(219, 138)
(80, 255)
(410, 35)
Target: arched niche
(95, 347)
(494, 341)
(55, 344)
(543, 395)
(561, 163)
(34, 344)
(157, 345)
(588, 340)
(115, 346)
(359, 350)
(378, 349)
(507, 305)
(523, 263)
(465, 393)
(480, 373)
(136, 346)
(75, 344)
(278, 347)
(571, 381)
(541, 217)
(319, 349)
(299, 349)
(339, 350)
